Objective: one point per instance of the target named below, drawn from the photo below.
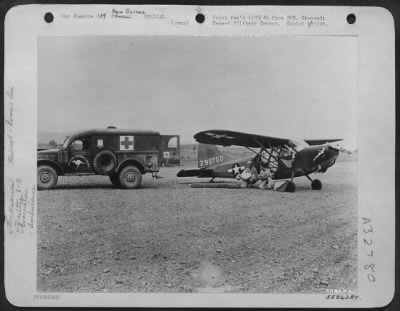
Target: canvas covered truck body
(171, 155)
(123, 155)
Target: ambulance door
(79, 159)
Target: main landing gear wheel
(130, 177)
(46, 177)
(316, 184)
(290, 187)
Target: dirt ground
(168, 237)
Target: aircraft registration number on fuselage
(211, 161)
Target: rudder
(209, 155)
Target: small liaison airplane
(286, 158)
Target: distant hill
(45, 137)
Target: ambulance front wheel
(46, 177)
(130, 177)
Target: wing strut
(270, 154)
(273, 154)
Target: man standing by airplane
(265, 177)
(250, 175)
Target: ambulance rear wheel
(316, 184)
(130, 177)
(46, 177)
(115, 180)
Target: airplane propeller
(320, 153)
(340, 148)
(336, 146)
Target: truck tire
(105, 162)
(130, 177)
(115, 180)
(47, 177)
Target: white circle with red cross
(126, 143)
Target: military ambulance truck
(123, 155)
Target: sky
(300, 87)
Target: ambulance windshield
(66, 142)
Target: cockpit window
(298, 144)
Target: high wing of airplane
(229, 138)
(286, 158)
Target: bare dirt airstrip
(168, 237)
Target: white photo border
(376, 142)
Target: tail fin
(209, 155)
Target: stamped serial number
(211, 161)
(46, 296)
(368, 241)
(342, 297)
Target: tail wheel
(290, 187)
(316, 184)
(105, 162)
(47, 177)
(130, 177)
(115, 180)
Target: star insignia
(236, 169)
(218, 136)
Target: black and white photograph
(198, 164)
(115, 216)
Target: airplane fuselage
(317, 158)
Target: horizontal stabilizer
(313, 142)
(194, 173)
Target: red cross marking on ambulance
(126, 142)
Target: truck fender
(53, 164)
(133, 162)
